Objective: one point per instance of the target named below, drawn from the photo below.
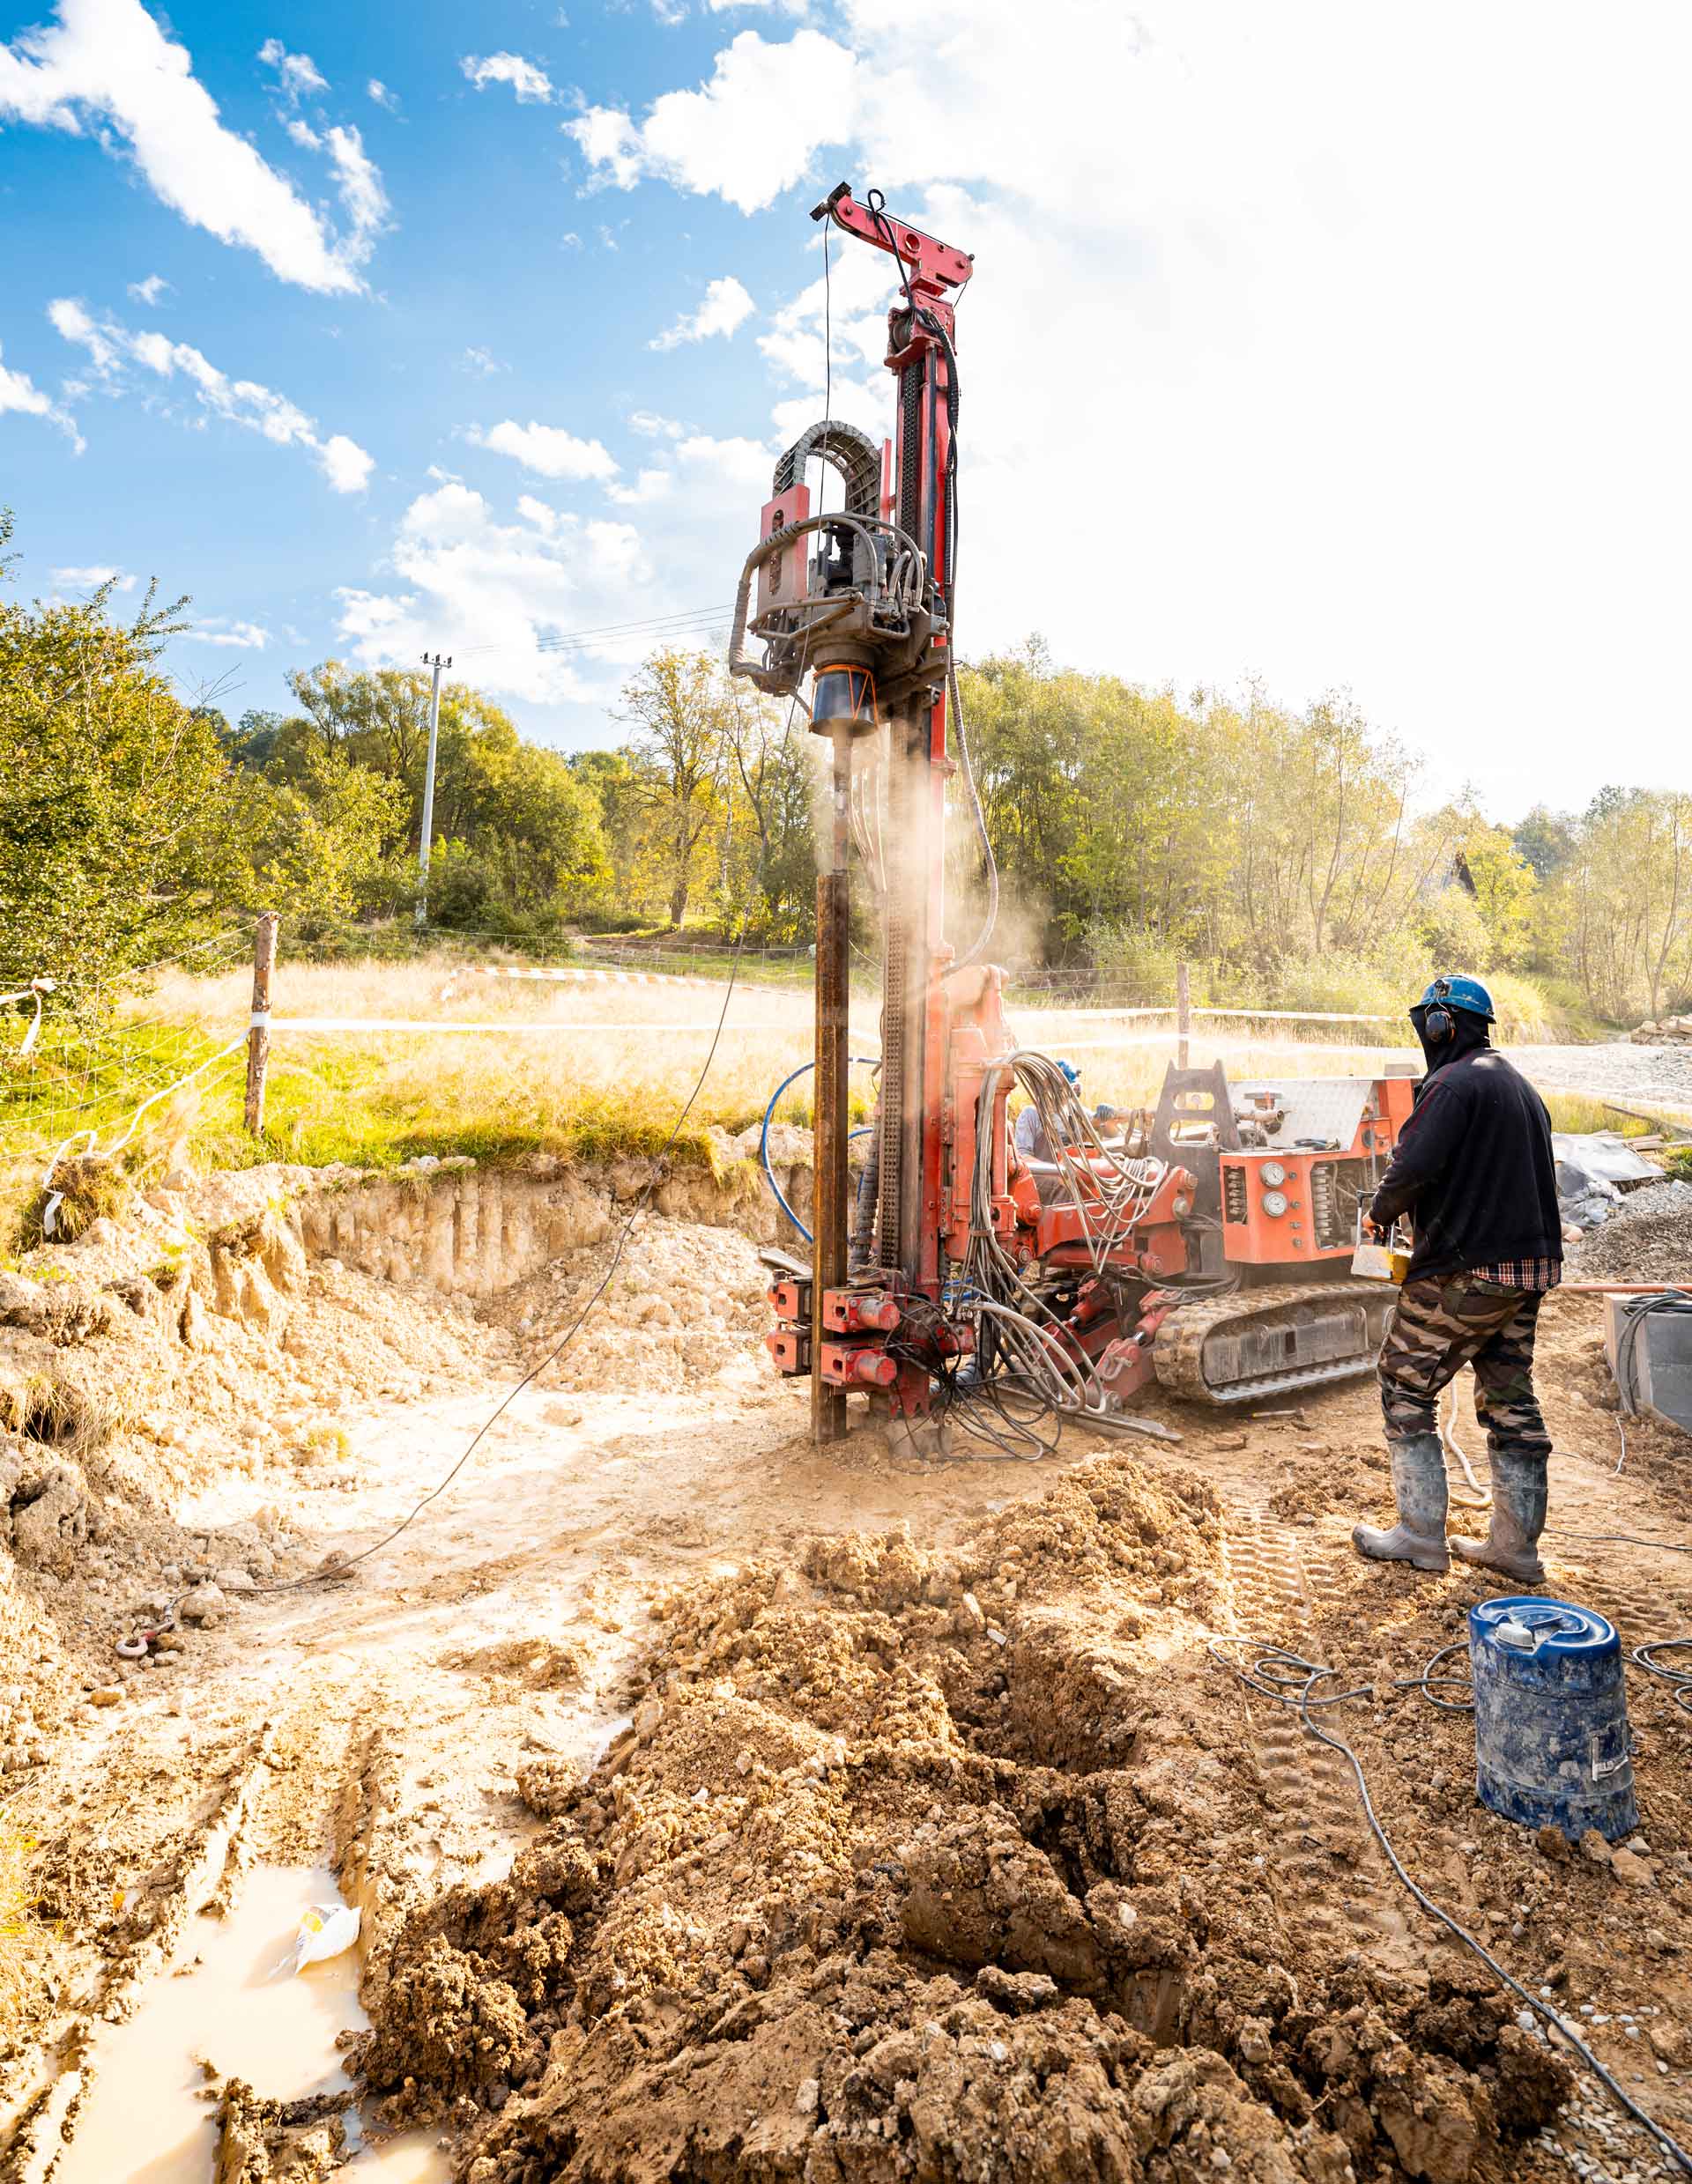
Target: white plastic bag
(325, 1930)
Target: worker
(1030, 1136)
(1475, 1173)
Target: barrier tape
(34, 991)
(1256, 1016)
(1170, 1039)
(582, 977)
(440, 1024)
(56, 1198)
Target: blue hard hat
(1457, 992)
(1070, 1071)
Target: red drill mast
(1006, 1284)
(871, 616)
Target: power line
(654, 626)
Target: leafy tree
(681, 714)
(525, 833)
(1546, 841)
(1505, 889)
(115, 846)
(315, 844)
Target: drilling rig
(1207, 1248)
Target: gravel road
(1656, 1077)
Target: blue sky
(1329, 346)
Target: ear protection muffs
(1437, 1024)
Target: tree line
(1292, 857)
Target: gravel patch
(1651, 1076)
(1647, 1238)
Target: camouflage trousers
(1441, 1325)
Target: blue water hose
(867, 1061)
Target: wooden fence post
(1182, 1015)
(258, 1034)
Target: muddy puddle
(224, 2007)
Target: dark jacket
(1474, 1168)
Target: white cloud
(726, 306)
(114, 349)
(649, 485)
(151, 290)
(297, 73)
(530, 82)
(345, 464)
(607, 138)
(548, 450)
(461, 574)
(748, 135)
(235, 635)
(468, 580)
(91, 580)
(20, 393)
(483, 362)
(389, 101)
(108, 67)
(1327, 350)
(360, 184)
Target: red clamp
(933, 266)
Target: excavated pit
(722, 1808)
(926, 1864)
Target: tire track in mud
(1321, 1858)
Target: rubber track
(1178, 1350)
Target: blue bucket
(1551, 1738)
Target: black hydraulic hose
(1278, 1674)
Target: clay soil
(720, 1808)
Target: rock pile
(1668, 1031)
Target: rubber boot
(1419, 1489)
(1519, 1497)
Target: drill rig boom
(983, 1280)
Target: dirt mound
(919, 1863)
(686, 1301)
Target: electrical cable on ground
(1278, 1674)
(340, 1566)
(1679, 1680)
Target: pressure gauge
(1273, 1172)
(1274, 1201)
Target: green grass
(1576, 1113)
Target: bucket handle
(1527, 1632)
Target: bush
(1131, 959)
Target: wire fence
(433, 1039)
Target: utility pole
(437, 663)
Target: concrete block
(1658, 1355)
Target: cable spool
(1552, 1744)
